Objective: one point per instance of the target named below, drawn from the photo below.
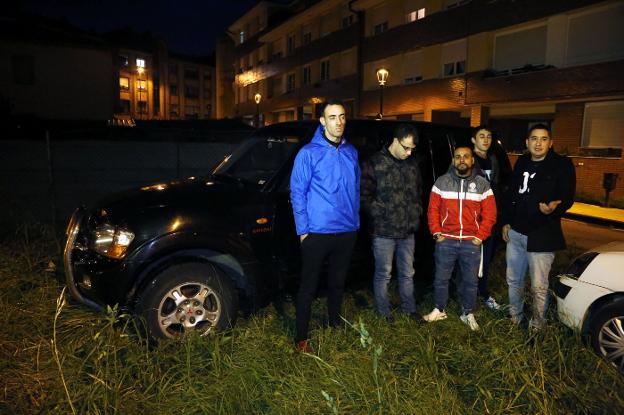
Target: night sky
(188, 26)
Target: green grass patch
(60, 358)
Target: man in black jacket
(541, 189)
(492, 163)
(391, 196)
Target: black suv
(189, 254)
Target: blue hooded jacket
(325, 187)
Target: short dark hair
(539, 126)
(479, 128)
(463, 146)
(328, 102)
(403, 130)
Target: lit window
(142, 84)
(140, 63)
(124, 83)
(421, 13)
(415, 15)
(242, 36)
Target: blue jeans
(468, 256)
(384, 250)
(538, 263)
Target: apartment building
(505, 63)
(53, 70)
(155, 83)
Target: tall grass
(60, 358)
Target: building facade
(504, 63)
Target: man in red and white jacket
(462, 212)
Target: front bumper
(574, 298)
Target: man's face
(403, 147)
(334, 121)
(463, 161)
(482, 140)
(538, 143)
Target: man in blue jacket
(325, 196)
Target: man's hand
(302, 237)
(547, 209)
(476, 241)
(506, 232)
(439, 237)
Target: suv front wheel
(188, 297)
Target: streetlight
(257, 98)
(382, 77)
(140, 71)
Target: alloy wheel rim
(611, 341)
(187, 307)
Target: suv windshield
(257, 160)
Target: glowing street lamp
(382, 78)
(257, 98)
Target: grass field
(58, 358)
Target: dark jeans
(315, 249)
(467, 256)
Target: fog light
(86, 282)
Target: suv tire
(188, 297)
(606, 333)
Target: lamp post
(140, 71)
(382, 77)
(257, 98)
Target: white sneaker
(470, 321)
(491, 304)
(435, 315)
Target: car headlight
(112, 241)
(578, 266)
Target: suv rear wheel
(606, 333)
(188, 297)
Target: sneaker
(435, 315)
(470, 321)
(304, 347)
(491, 304)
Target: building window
(603, 124)
(241, 36)
(140, 63)
(290, 82)
(173, 89)
(380, 28)
(124, 106)
(306, 75)
(123, 61)
(23, 69)
(520, 48)
(191, 91)
(141, 85)
(324, 70)
(209, 109)
(173, 69)
(455, 3)
(191, 73)
(454, 68)
(174, 111)
(142, 107)
(307, 38)
(415, 15)
(290, 44)
(347, 21)
(124, 83)
(454, 58)
(191, 112)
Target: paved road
(587, 235)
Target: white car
(590, 299)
